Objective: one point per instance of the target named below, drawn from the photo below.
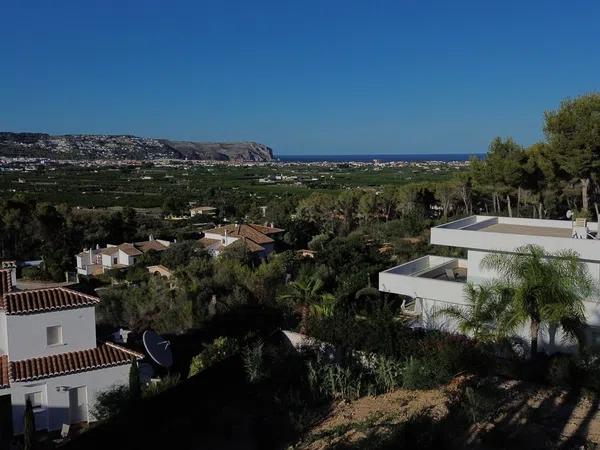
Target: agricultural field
(148, 186)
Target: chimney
(150, 238)
(97, 246)
(6, 284)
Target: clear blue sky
(310, 77)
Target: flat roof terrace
(509, 234)
(528, 230)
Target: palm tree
(325, 305)
(482, 316)
(303, 294)
(543, 288)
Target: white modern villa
(49, 355)
(96, 261)
(434, 282)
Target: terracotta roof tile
(4, 372)
(266, 230)
(146, 246)
(242, 230)
(5, 281)
(44, 300)
(106, 355)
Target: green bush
(254, 362)
(111, 402)
(218, 350)
(333, 380)
(421, 373)
(32, 273)
(164, 384)
(561, 371)
(387, 373)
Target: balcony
(429, 277)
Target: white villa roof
(490, 233)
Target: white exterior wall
(125, 259)
(226, 240)
(433, 295)
(27, 333)
(3, 334)
(107, 260)
(55, 411)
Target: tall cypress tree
(29, 427)
(135, 387)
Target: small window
(54, 335)
(36, 399)
(115, 260)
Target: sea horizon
(369, 157)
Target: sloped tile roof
(266, 230)
(45, 300)
(146, 246)
(242, 230)
(4, 372)
(106, 355)
(250, 245)
(5, 281)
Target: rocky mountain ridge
(120, 147)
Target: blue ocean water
(445, 157)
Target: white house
(434, 282)
(257, 238)
(49, 355)
(203, 211)
(96, 261)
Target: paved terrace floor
(528, 230)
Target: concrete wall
(55, 410)
(27, 333)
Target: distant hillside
(89, 147)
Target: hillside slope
(91, 147)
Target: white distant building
(434, 282)
(203, 211)
(49, 355)
(256, 238)
(96, 261)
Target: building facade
(431, 282)
(49, 356)
(258, 239)
(98, 260)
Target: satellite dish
(158, 348)
(569, 214)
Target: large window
(54, 335)
(36, 399)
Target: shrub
(477, 405)
(164, 384)
(561, 371)
(421, 373)
(387, 373)
(111, 402)
(254, 362)
(343, 380)
(587, 370)
(32, 273)
(218, 350)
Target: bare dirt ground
(502, 415)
